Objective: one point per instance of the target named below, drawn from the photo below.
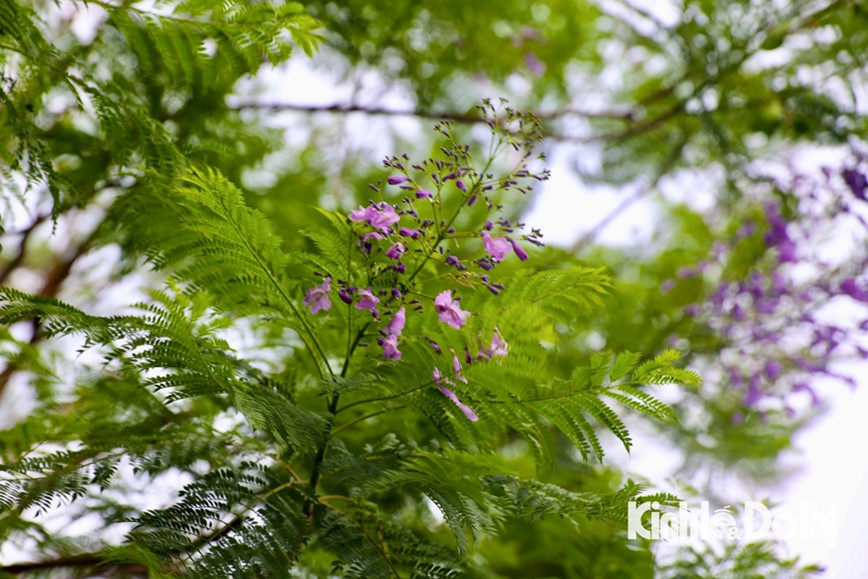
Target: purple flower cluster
(773, 322)
(392, 333)
(317, 298)
(498, 247)
(394, 242)
(467, 410)
(498, 347)
(449, 310)
(379, 215)
(777, 235)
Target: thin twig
(22, 246)
(665, 167)
(85, 560)
(468, 118)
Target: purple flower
(852, 289)
(499, 347)
(407, 232)
(779, 283)
(397, 180)
(368, 301)
(485, 263)
(497, 247)
(735, 376)
(519, 250)
(390, 347)
(461, 185)
(423, 194)
(533, 64)
(754, 394)
(396, 251)
(379, 215)
(755, 286)
(435, 346)
(451, 260)
(383, 216)
(686, 272)
(747, 229)
(467, 410)
(345, 296)
(777, 235)
(449, 310)
(778, 230)
(396, 326)
(787, 252)
(857, 182)
(772, 369)
(317, 298)
(456, 366)
(360, 214)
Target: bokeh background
(711, 155)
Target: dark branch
(86, 560)
(22, 247)
(633, 128)
(468, 118)
(53, 281)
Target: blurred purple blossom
(378, 215)
(467, 410)
(851, 288)
(396, 326)
(368, 302)
(857, 182)
(499, 347)
(396, 251)
(519, 250)
(449, 310)
(534, 64)
(754, 392)
(390, 347)
(772, 369)
(317, 298)
(497, 247)
(456, 367)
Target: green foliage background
(143, 161)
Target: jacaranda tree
(238, 345)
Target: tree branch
(468, 118)
(22, 247)
(665, 167)
(85, 560)
(55, 278)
